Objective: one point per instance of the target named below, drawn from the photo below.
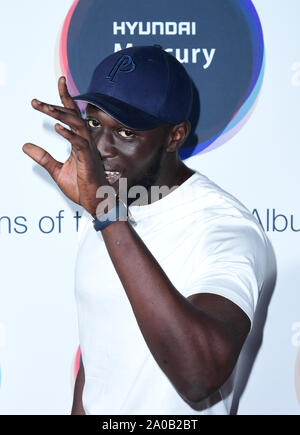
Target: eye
(93, 123)
(126, 133)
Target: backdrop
(244, 60)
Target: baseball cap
(142, 87)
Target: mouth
(112, 176)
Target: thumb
(43, 158)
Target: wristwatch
(114, 214)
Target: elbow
(195, 392)
(205, 383)
(212, 364)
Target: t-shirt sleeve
(229, 259)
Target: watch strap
(116, 213)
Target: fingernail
(37, 101)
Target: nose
(105, 145)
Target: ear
(178, 135)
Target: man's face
(133, 154)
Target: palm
(67, 179)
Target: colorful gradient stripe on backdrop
(242, 115)
(63, 51)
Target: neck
(173, 173)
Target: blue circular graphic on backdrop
(220, 43)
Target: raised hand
(82, 173)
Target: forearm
(186, 342)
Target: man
(166, 296)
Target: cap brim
(127, 115)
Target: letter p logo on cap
(124, 64)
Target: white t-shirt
(205, 241)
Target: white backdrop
(259, 165)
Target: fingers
(41, 106)
(63, 114)
(65, 97)
(88, 160)
(43, 158)
(79, 143)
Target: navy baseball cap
(142, 87)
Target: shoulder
(229, 248)
(218, 215)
